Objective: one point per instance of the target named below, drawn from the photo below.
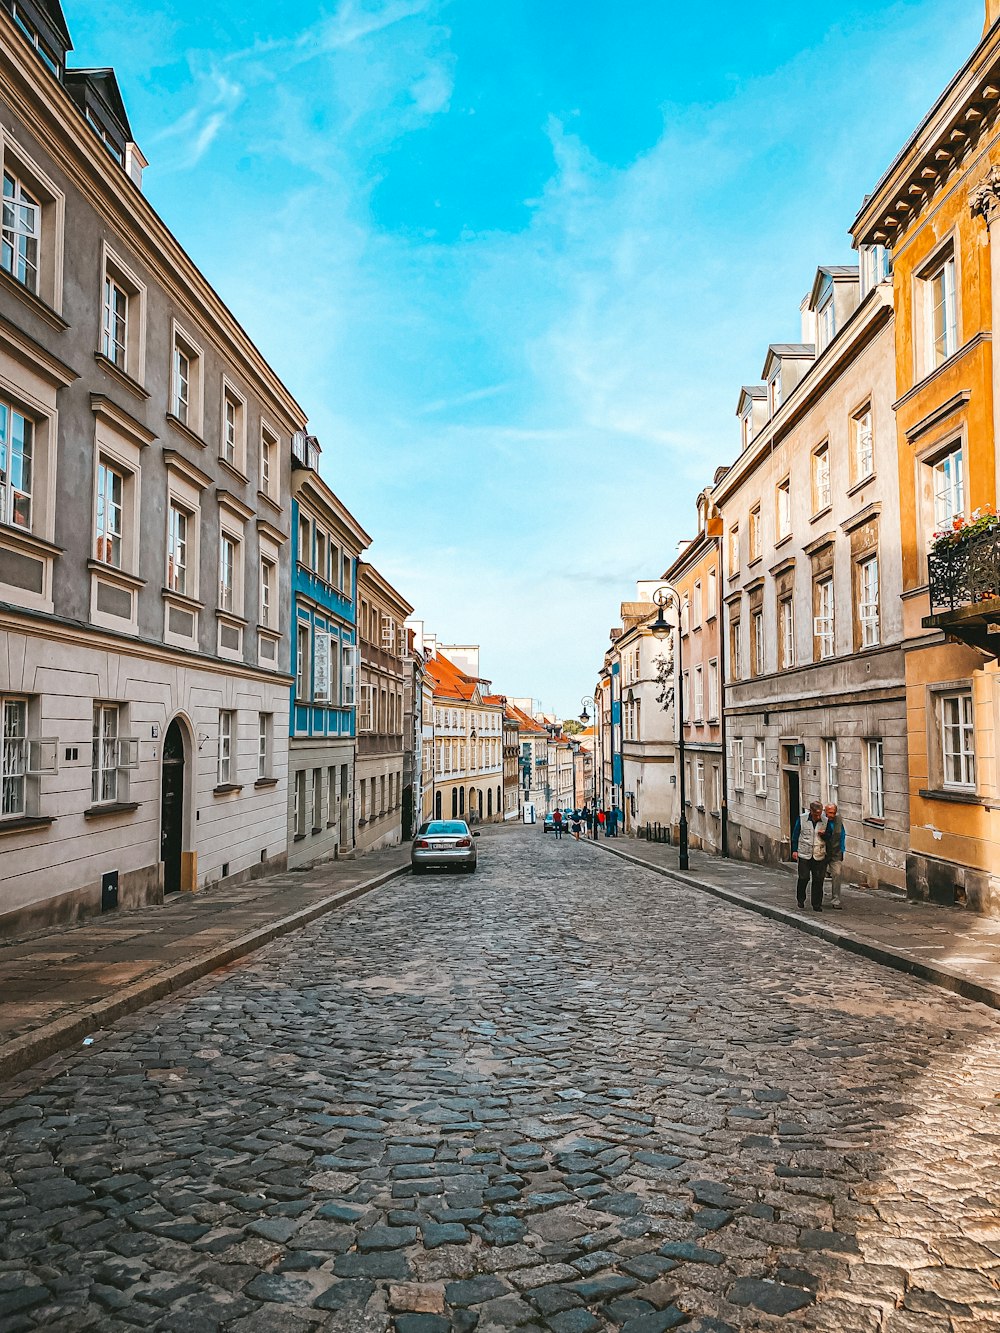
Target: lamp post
(662, 629)
(586, 701)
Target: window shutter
(42, 756)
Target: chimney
(992, 14)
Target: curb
(933, 973)
(51, 1038)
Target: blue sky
(516, 260)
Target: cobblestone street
(564, 1094)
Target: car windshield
(438, 826)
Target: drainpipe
(724, 629)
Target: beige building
(815, 703)
(378, 786)
(468, 740)
(144, 522)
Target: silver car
(443, 842)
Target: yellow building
(937, 211)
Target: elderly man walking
(810, 846)
(837, 840)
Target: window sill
(233, 470)
(231, 617)
(113, 572)
(872, 822)
(23, 539)
(820, 513)
(957, 796)
(111, 808)
(266, 782)
(25, 823)
(225, 788)
(860, 484)
(182, 599)
(299, 837)
(186, 431)
(270, 500)
(32, 299)
(782, 540)
(754, 560)
(122, 376)
(315, 831)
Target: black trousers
(813, 871)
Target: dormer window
(826, 323)
(774, 391)
(876, 267)
(115, 149)
(747, 428)
(30, 29)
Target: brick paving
(565, 1094)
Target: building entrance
(172, 808)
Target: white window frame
(224, 774)
(875, 766)
(268, 453)
(115, 322)
(112, 755)
(265, 722)
(322, 666)
(739, 769)
(365, 718)
(736, 648)
(187, 407)
(699, 784)
(863, 443)
(734, 549)
(21, 252)
(713, 690)
(177, 547)
(756, 534)
(17, 500)
(50, 225)
(303, 647)
(268, 568)
(958, 761)
(229, 555)
(831, 768)
(349, 675)
(23, 757)
(786, 609)
(758, 767)
(233, 433)
(824, 624)
(109, 515)
(783, 510)
(868, 601)
(941, 303)
(759, 646)
(821, 478)
(948, 486)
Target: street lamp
(586, 701)
(662, 629)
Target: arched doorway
(499, 802)
(489, 803)
(172, 807)
(454, 802)
(461, 801)
(437, 805)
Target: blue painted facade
(324, 610)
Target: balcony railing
(966, 572)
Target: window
(228, 556)
(823, 623)
(821, 478)
(686, 688)
(734, 549)
(365, 707)
(713, 689)
(712, 595)
(735, 651)
(302, 662)
(30, 31)
(786, 623)
(783, 510)
(180, 403)
(875, 267)
(267, 593)
(868, 614)
(716, 789)
(269, 463)
(832, 767)
(14, 757)
(177, 549)
(699, 694)
(739, 772)
(233, 429)
(317, 799)
(114, 323)
(747, 429)
(757, 647)
(321, 667)
(958, 742)
(224, 772)
(948, 475)
(826, 323)
(755, 534)
(774, 392)
(348, 678)
(17, 438)
(759, 768)
(265, 722)
(299, 805)
(696, 616)
(22, 232)
(876, 779)
(110, 494)
(699, 785)
(864, 448)
(939, 293)
(105, 760)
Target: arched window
(461, 801)
(489, 802)
(437, 805)
(499, 801)
(454, 802)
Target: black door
(794, 803)
(172, 808)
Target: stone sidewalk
(57, 986)
(947, 946)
